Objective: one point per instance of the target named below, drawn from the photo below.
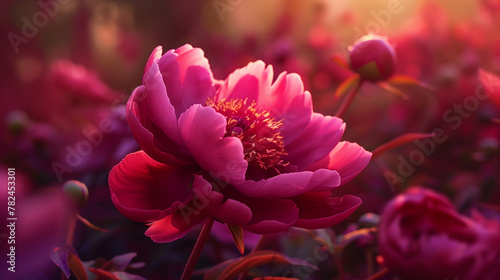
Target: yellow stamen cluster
(257, 129)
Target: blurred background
(68, 67)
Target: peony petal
(285, 98)
(198, 87)
(146, 132)
(153, 59)
(158, 105)
(321, 209)
(187, 77)
(491, 84)
(145, 190)
(203, 131)
(188, 57)
(289, 102)
(175, 225)
(349, 159)
(421, 235)
(247, 82)
(322, 134)
(225, 210)
(271, 215)
(290, 184)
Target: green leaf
(119, 263)
(237, 233)
(230, 269)
(214, 272)
(403, 80)
(89, 224)
(324, 238)
(399, 141)
(103, 274)
(346, 86)
(391, 89)
(76, 266)
(274, 278)
(127, 276)
(353, 235)
(339, 60)
(60, 257)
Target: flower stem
(348, 100)
(71, 230)
(198, 247)
(369, 261)
(379, 274)
(69, 236)
(339, 267)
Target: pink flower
(246, 151)
(373, 58)
(421, 236)
(491, 84)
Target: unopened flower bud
(373, 58)
(17, 121)
(369, 220)
(77, 192)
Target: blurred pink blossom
(421, 236)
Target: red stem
(339, 267)
(69, 237)
(348, 100)
(198, 247)
(379, 274)
(71, 230)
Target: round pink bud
(17, 121)
(373, 58)
(77, 192)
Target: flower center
(257, 129)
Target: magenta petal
(187, 77)
(143, 129)
(321, 210)
(247, 82)
(198, 87)
(320, 137)
(158, 105)
(288, 101)
(145, 190)
(227, 210)
(349, 159)
(188, 57)
(203, 130)
(153, 59)
(290, 184)
(271, 215)
(175, 225)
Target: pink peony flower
(421, 236)
(373, 58)
(491, 84)
(246, 151)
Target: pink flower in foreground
(421, 236)
(245, 151)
